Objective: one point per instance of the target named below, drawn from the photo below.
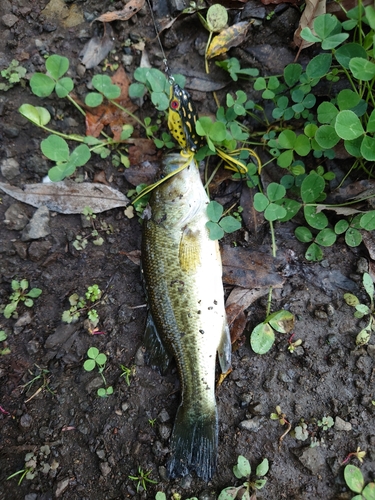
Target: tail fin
(194, 444)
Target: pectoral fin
(189, 252)
(156, 353)
(225, 349)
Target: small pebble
(320, 314)
(105, 469)
(9, 20)
(341, 425)
(26, 421)
(10, 168)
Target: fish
(182, 274)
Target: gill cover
(182, 117)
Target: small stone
(139, 357)
(31, 496)
(186, 482)
(11, 132)
(163, 416)
(252, 425)
(371, 350)
(21, 249)
(9, 20)
(38, 227)
(105, 469)
(16, 217)
(61, 335)
(330, 309)
(61, 487)
(207, 495)
(341, 425)
(32, 347)
(362, 265)
(24, 320)
(312, 459)
(127, 60)
(320, 314)
(38, 250)
(94, 384)
(101, 454)
(10, 168)
(165, 431)
(26, 421)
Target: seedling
(81, 240)
(20, 294)
(12, 74)
(300, 431)
(127, 373)
(219, 225)
(292, 345)
(326, 423)
(99, 360)
(34, 463)
(247, 491)
(152, 421)
(359, 454)
(216, 20)
(362, 310)
(281, 417)
(6, 350)
(263, 335)
(356, 483)
(80, 305)
(142, 479)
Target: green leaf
(314, 219)
(275, 191)
(326, 237)
(160, 496)
(347, 99)
(348, 51)
(217, 17)
(262, 338)
(302, 145)
(9, 309)
(285, 159)
(80, 156)
(327, 112)
(93, 99)
(291, 207)
(326, 136)
(287, 139)
(89, 365)
(354, 478)
(28, 302)
(351, 299)
(55, 148)
(160, 100)
(261, 202)
(311, 188)
(260, 483)
(334, 41)
(363, 309)
(371, 123)
(341, 226)
(324, 25)
(64, 86)
(274, 212)
(103, 84)
(101, 359)
(34, 293)
(57, 66)
(353, 237)
(354, 147)
(37, 115)
(292, 72)
(215, 231)
(308, 35)
(368, 284)
(368, 221)
(280, 320)
(362, 69)
(314, 253)
(262, 468)
(368, 148)
(41, 85)
(229, 493)
(214, 211)
(303, 234)
(230, 224)
(348, 125)
(136, 90)
(369, 490)
(319, 66)
(243, 468)
(93, 352)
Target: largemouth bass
(183, 280)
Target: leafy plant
(281, 417)
(263, 335)
(36, 462)
(326, 423)
(4, 336)
(356, 483)
(41, 375)
(160, 495)
(142, 479)
(12, 74)
(127, 373)
(219, 225)
(80, 304)
(20, 294)
(248, 489)
(362, 310)
(98, 360)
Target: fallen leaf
(254, 221)
(97, 49)
(68, 197)
(126, 13)
(134, 256)
(313, 9)
(228, 37)
(141, 150)
(240, 299)
(109, 114)
(368, 239)
(142, 173)
(249, 268)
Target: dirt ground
(94, 444)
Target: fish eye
(175, 104)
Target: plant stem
(269, 301)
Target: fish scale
(183, 280)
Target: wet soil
(94, 443)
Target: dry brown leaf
(126, 13)
(249, 268)
(68, 197)
(109, 114)
(97, 49)
(228, 37)
(253, 220)
(313, 9)
(240, 299)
